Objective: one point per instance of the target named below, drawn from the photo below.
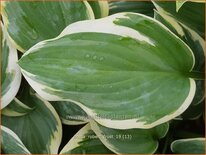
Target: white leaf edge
(57, 135)
(12, 134)
(74, 141)
(12, 113)
(12, 67)
(89, 12)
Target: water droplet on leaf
(94, 57)
(101, 58)
(87, 56)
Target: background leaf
(30, 22)
(144, 7)
(179, 4)
(40, 129)
(189, 146)
(10, 142)
(132, 141)
(100, 8)
(193, 112)
(191, 14)
(85, 142)
(10, 71)
(16, 108)
(70, 113)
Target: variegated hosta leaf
(100, 8)
(118, 69)
(189, 146)
(10, 71)
(179, 3)
(40, 129)
(30, 22)
(132, 141)
(70, 113)
(144, 7)
(183, 29)
(16, 108)
(188, 35)
(85, 142)
(191, 14)
(10, 142)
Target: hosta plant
(114, 78)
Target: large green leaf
(144, 7)
(70, 113)
(132, 141)
(189, 146)
(40, 129)
(10, 142)
(85, 142)
(30, 22)
(118, 69)
(10, 71)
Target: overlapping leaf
(132, 141)
(16, 108)
(185, 27)
(40, 128)
(144, 7)
(30, 22)
(85, 142)
(191, 14)
(100, 8)
(10, 71)
(10, 142)
(189, 146)
(118, 69)
(70, 113)
(180, 3)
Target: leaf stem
(197, 75)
